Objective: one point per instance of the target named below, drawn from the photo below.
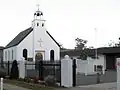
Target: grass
(27, 85)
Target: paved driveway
(105, 86)
(109, 76)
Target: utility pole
(96, 55)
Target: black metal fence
(41, 69)
(44, 69)
(6, 67)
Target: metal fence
(44, 69)
(41, 69)
(6, 67)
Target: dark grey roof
(91, 52)
(22, 35)
(1, 47)
(19, 37)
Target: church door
(38, 58)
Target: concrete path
(105, 86)
(13, 87)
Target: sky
(65, 20)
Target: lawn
(27, 85)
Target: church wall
(25, 44)
(47, 45)
(10, 57)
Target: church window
(52, 55)
(8, 55)
(12, 54)
(5, 55)
(37, 24)
(42, 24)
(25, 53)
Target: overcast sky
(65, 19)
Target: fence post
(74, 72)
(66, 72)
(21, 69)
(41, 70)
(118, 73)
(1, 84)
(8, 68)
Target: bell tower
(38, 19)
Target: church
(34, 43)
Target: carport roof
(91, 52)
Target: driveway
(105, 86)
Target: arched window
(42, 24)
(6, 55)
(12, 54)
(37, 24)
(52, 55)
(25, 53)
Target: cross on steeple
(40, 42)
(38, 6)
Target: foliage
(83, 55)
(80, 43)
(114, 44)
(50, 80)
(14, 70)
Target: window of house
(37, 24)
(52, 55)
(25, 53)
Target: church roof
(19, 38)
(22, 35)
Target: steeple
(38, 14)
(38, 18)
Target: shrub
(50, 80)
(14, 74)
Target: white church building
(34, 43)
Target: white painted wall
(48, 43)
(10, 50)
(87, 66)
(25, 44)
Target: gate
(44, 69)
(74, 72)
(48, 68)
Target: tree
(80, 44)
(14, 70)
(114, 44)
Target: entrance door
(38, 58)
